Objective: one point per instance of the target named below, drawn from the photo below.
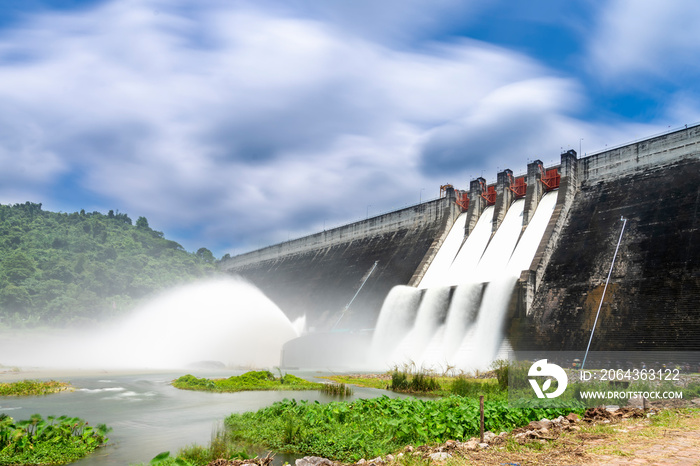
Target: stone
(313, 461)
(471, 445)
(409, 448)
(544, 423)
(440, 456)
(489, 436)
(390, 458)
(377, 460)
(573, 417)
(483, 445)
(360, 461)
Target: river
(146, 413)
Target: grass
(32, 387)
(337, 389)
(253, 380)
(426, 383)
(368, 428)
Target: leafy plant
(366, 428)
(52, 441)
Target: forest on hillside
(58, 268)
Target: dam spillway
(655, 285)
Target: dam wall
(651, 301)
(318, 275)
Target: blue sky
(236, 124)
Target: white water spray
(226, 320)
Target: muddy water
(146, 413)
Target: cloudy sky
(234, 124)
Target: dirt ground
(633, 441)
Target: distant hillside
(59, 268)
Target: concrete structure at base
(651, 302)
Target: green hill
(60, 268)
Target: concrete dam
(520, 263)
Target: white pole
(624, 222)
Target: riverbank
(615, 437)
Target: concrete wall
(652, 298)
(318, 275)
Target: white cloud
(637, 39)
(238, 126)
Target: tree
(142, 223)
(205, 254)
(18, 267)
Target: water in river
(147, 414)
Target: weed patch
(32, 387)
(253, 380)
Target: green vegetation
(336, 389)
(380, 382)
(404, 381)
(368, 428)
(253, 380)
(59, 268)
(32, 387)
(53, 441)
(425, 383)
(196, 455)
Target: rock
(440, 456)
(573, 417)
(377, 460)
(483, 445)
(313, 461)
(695, 401)
(471, 445)
(390, 458)
(409, 448)
(612, 408)
(399, 456)
(543, 424)
(451, 444)
(361, 461)
(488, 436)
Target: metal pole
(624, 222)
(481, 420)
(356, 293)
